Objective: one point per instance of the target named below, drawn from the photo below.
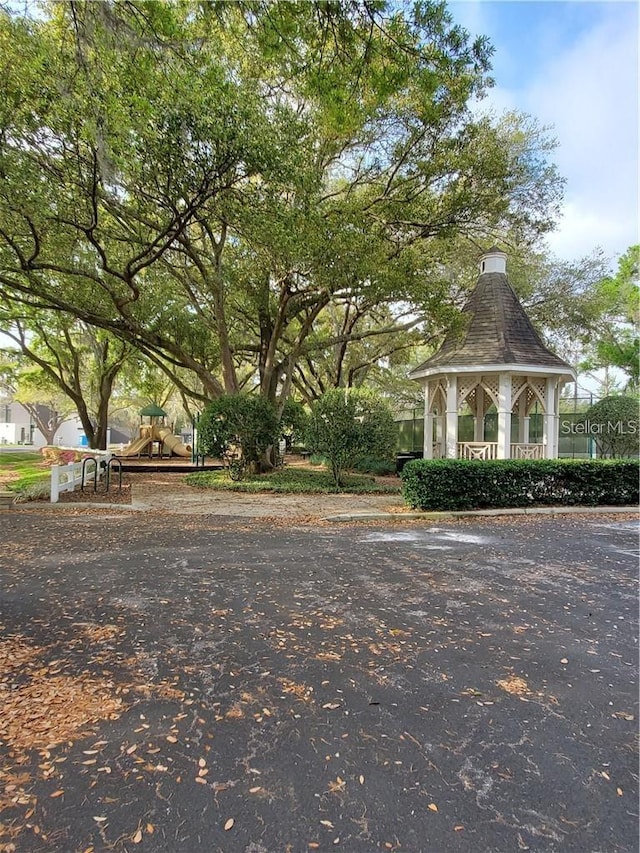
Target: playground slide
(173, 443)
(136, 447)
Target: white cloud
(577, 72)
(582, 230)
(589, 94)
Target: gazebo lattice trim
(518, 385)
(490, 385)
(466, 389)
(437, 395)
(535, 393)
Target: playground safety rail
(65, 478)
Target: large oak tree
(239, 189)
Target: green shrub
(239, 428)
(293, 422)
(377, 467)
(34, 491)
(318, 459)
(613, 425)
(347, 425)
(457, 484)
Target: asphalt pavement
(230, 684)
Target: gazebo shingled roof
(495, 330)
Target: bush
(238, 428)
(377, 467)
(36, 491)
(318, 459)
(348, 425)
(53, 455)
(293, 422)
(458, 484)
(613, 425)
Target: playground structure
(161, 436)
(155, 437)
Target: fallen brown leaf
(514, 685)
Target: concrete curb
(29, 506)
(479, 513)
(364, 515)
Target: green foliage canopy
(207, 181)
(614, 425)
(348, 425)
(616, 341)
(246, 421)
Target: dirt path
(169, 493)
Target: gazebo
(495, 358)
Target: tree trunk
(49, 427)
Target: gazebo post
(451, 418)
(478, 421)
(549, 438)
(504, 416)
(427, 443)
(439, 433)
(524, 420)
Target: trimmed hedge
(460, 484)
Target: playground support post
(197, 458)
(194, 438)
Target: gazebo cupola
(493, 358)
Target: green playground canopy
(153, 411)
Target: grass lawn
(20, 470)
(292, 481)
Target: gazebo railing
(478, 450)
(489, 450)
(527, 451)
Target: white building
(17, 426)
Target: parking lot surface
(220, 684)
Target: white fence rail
(65, 478)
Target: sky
(574, 67)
